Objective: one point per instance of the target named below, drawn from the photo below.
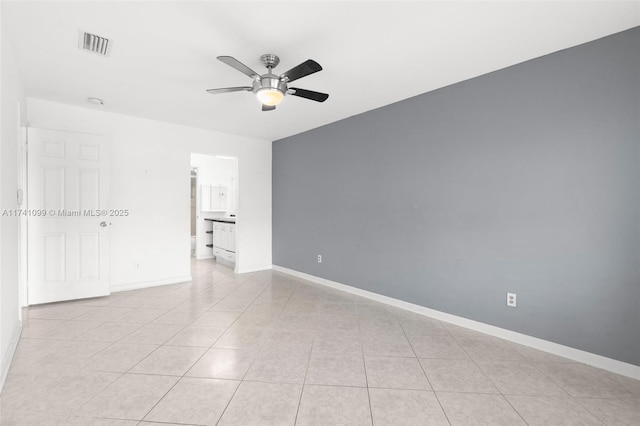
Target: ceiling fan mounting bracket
(270, 60)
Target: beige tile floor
(266, 348)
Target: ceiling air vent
(94, 43)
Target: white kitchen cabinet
(229, 256)
(231, 237)
(214, 198)
(224, 241)
(216, 235)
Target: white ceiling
(373, 53)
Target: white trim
(253, 268)
(6, 361)
(146, 284)
(578, 355)
(23, 152)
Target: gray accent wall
(524, 180)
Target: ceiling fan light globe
(270, 97)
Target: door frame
(235, 191)
(23, 152)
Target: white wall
(150, 176)
(11, 102)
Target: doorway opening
(194, 211)
(213, 209)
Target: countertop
(222, 219)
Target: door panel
(88, 189)
(53, 183)
(68, 249)
(53, 148)
(89, 252)
(54, 258)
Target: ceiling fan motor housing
(269, 81)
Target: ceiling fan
(269, 88)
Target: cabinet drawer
(229, 256)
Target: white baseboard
(146, 284)
(578, 355)
(252, 268)
(6, 360)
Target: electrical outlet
(319, 258)
(136, 265)
(511, 300)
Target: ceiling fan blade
(229, 89)
(233, 62)
(268, 108)
(307, 67)
(309, 94)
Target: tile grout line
(186, 371)
(111, 372)
(304, 380)
(483, 353)
(489, 379)
(234, 393)
(364, 364)
(129, 370)
(295, 420)
(446, 416)
(250, 364)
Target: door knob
(103, 224)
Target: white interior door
(68, 230)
